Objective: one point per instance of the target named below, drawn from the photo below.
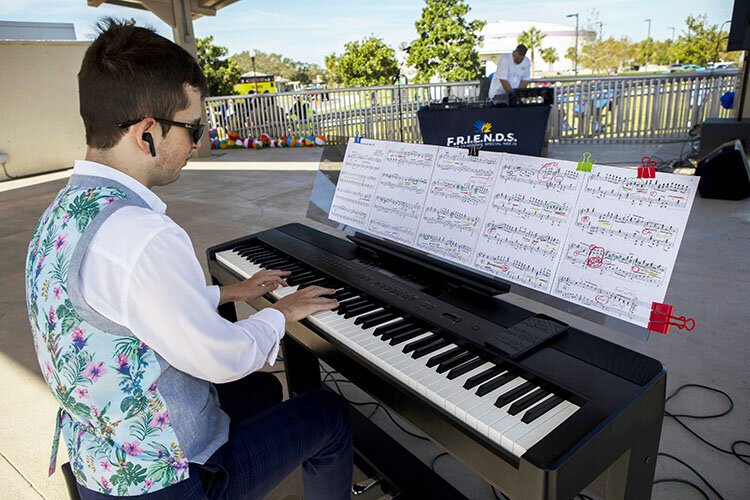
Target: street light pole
(575, 68)
(648, 41)
(255, 73)
(600, 29)
(671, 48)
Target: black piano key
(480, 378)
(408, 334)
(344, 305)
(365, 308)
(541, 409)
(387, 328)
(271, 262)
(465, 368)
(295, 279)
(455, 361)
(436, 360)
(514, 394)
(388, 335)
(370, 323)
(310, 280)
(493, 384)
(344, 294)
(377, 315)
(263, 257)
(417, 344)
(527, 401)
(255, 252)
(424, 351)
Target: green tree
(447, 43)
(532, 39)
(364, 63)
(332, 76)
(220, 72)
(278, 65)
(701, 43)
(549, 55)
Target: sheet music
(456, 202)
(527, 220)
(602, 239)
(355, 190)
(623, 243)
(399, 197)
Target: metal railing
(595, 109)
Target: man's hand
(305, 302)
(260, 283)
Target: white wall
(41, 129)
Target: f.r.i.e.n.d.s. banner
(604, 239)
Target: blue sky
(309, 30)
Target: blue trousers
(267, 441)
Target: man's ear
(142, 134)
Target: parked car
(675, 67)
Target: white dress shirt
(510, 71)
(141, 272)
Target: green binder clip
(585, 164)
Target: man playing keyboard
(160, 396)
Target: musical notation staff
(397, 208)
(621, 265)
(473, 192)
(417, 185)
(355, 197)
(361, 180)
(409, 159)
(521, 238)
(618, 301)
(632, 227)
(350, 215)
(444, 246)
(531, 207)
(550, 175)
(456, 160)
(365, 160)
(508, 268)
(452, 219)
(400, 233)
(643, 192)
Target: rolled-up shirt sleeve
(169, 307)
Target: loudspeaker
(739, 34)
(725, 173)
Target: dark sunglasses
(196, 129)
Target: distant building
(13, 30)
(502, 37)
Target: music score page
(604, 239)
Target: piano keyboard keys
(492, 399)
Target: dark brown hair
(129, 72)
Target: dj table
(517, 125)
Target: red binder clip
(648, 168)
(662, 317)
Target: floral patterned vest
(113, 417)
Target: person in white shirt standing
(159, 395)
(513, 72)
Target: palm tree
(549, 55)
(533, 40)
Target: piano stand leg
(631, 477)
(302, 368)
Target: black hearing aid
(150, 140)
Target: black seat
(70, 481)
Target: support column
(179, 15)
